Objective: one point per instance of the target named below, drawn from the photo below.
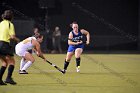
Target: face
(75, 27)
(8, 14)
(56, 28)
(40, 39)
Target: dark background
(113, 24)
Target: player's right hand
(37, 54)
(80, 42)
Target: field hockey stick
(55, 66)
(52, 64)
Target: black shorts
(6, 49)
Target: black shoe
(23, 72)
(2, 83)
(62, 72)
(10, 81)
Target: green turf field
(100, 73)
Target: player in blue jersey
(76, 45)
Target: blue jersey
(76, 38)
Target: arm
(87, 35)
(70, 42)
(12, 33)
(13, 37)
(37, 49)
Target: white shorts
(20, 51)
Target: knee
(67, 59)
(11, 60)
(77, 55)
(5, 64)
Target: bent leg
(30, 60)
(67, 60)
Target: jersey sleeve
(12, 29)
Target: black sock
(78, 61)
(10, 71)
(2, 70)
(66, 65)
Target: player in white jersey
(22, 50)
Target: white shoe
(78, 69)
